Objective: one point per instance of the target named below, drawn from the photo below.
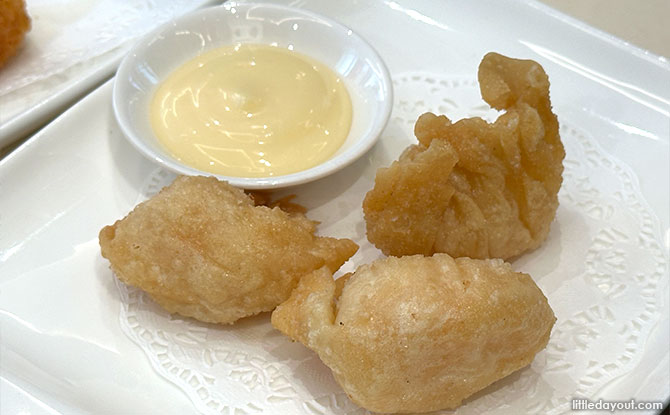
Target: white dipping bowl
(163, 50)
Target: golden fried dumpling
(201, 248)
(473, 188)
(14, 23)
(417, 334)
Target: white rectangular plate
(74, 341)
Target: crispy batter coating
(264, 198)
(201, 248)
(14, 23)
(417, 334)
(472, 188)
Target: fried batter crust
(472, 188)
(418, 334)
(200, 248)
(14, 23)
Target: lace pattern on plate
(602, 269)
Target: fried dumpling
(417, 334)
(472, 188)
(202, 249)
(14, 23)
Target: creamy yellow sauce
(251, 111)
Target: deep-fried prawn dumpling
(417, 334)
(472, 188)
(201, 248)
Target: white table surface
(641, 23)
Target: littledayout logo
(583, 404)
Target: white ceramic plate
(336, 46)
(73, 341)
